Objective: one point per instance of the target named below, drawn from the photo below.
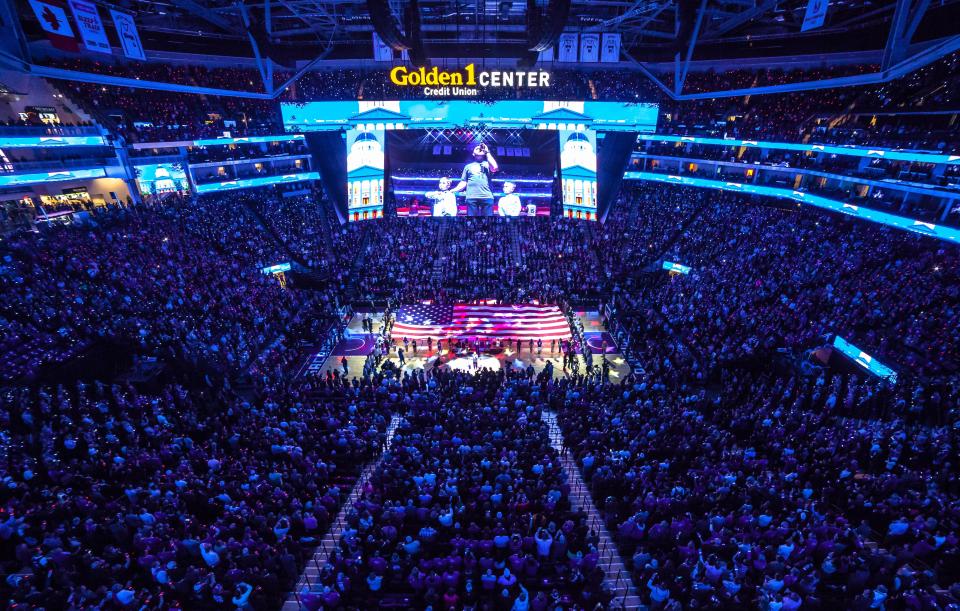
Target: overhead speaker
(418, 56)
(686, 18)
(546, 27)
(386, 25)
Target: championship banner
(590, 48)
(92, 33)
(610, 51)
(567, 47)
(128, 35)
(546, 55)
(381, 51)
(53, 20)
(815, 15)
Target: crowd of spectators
(767, 277)
(728, 478)
(186, 494)
(299, 223)
(187, 498)
(512, 260)
(775, 492)
(166, 497)
(933, 187)
(149, 115)
(182, 279)
(468, 509)
(237, 152)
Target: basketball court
(357, 345)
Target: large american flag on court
(520, 321)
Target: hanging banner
(590, 48)
(815, 15)
(381, 50)
(92, 33)
(567, 47)
(53, 20)
(610, 51)
(546, 55)
(128, 35)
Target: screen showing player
(472, 172)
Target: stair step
(331, 537)
(580, 498)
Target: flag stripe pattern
(520, 321)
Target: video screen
(161, 178)
(472, 172)
(365, 160)
(578, 166)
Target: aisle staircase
(331, 541)
(271, 233)
(78, 106)
(328, 226)
(617, 576)
(514, 236)
(442, 249)
(358, 261)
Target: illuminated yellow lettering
(471, 74)
(398, 76)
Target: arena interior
(501, 305)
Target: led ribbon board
(15, 180)
(916, 226)
(247, 183)
(444, 114)
(676, 267)
(864, 360)
(276, 269)
(248, 140)
(852, 151)
(18, 142)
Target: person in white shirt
(444, 200)
(509, 204)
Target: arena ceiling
(897, 36)
(652, 30)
